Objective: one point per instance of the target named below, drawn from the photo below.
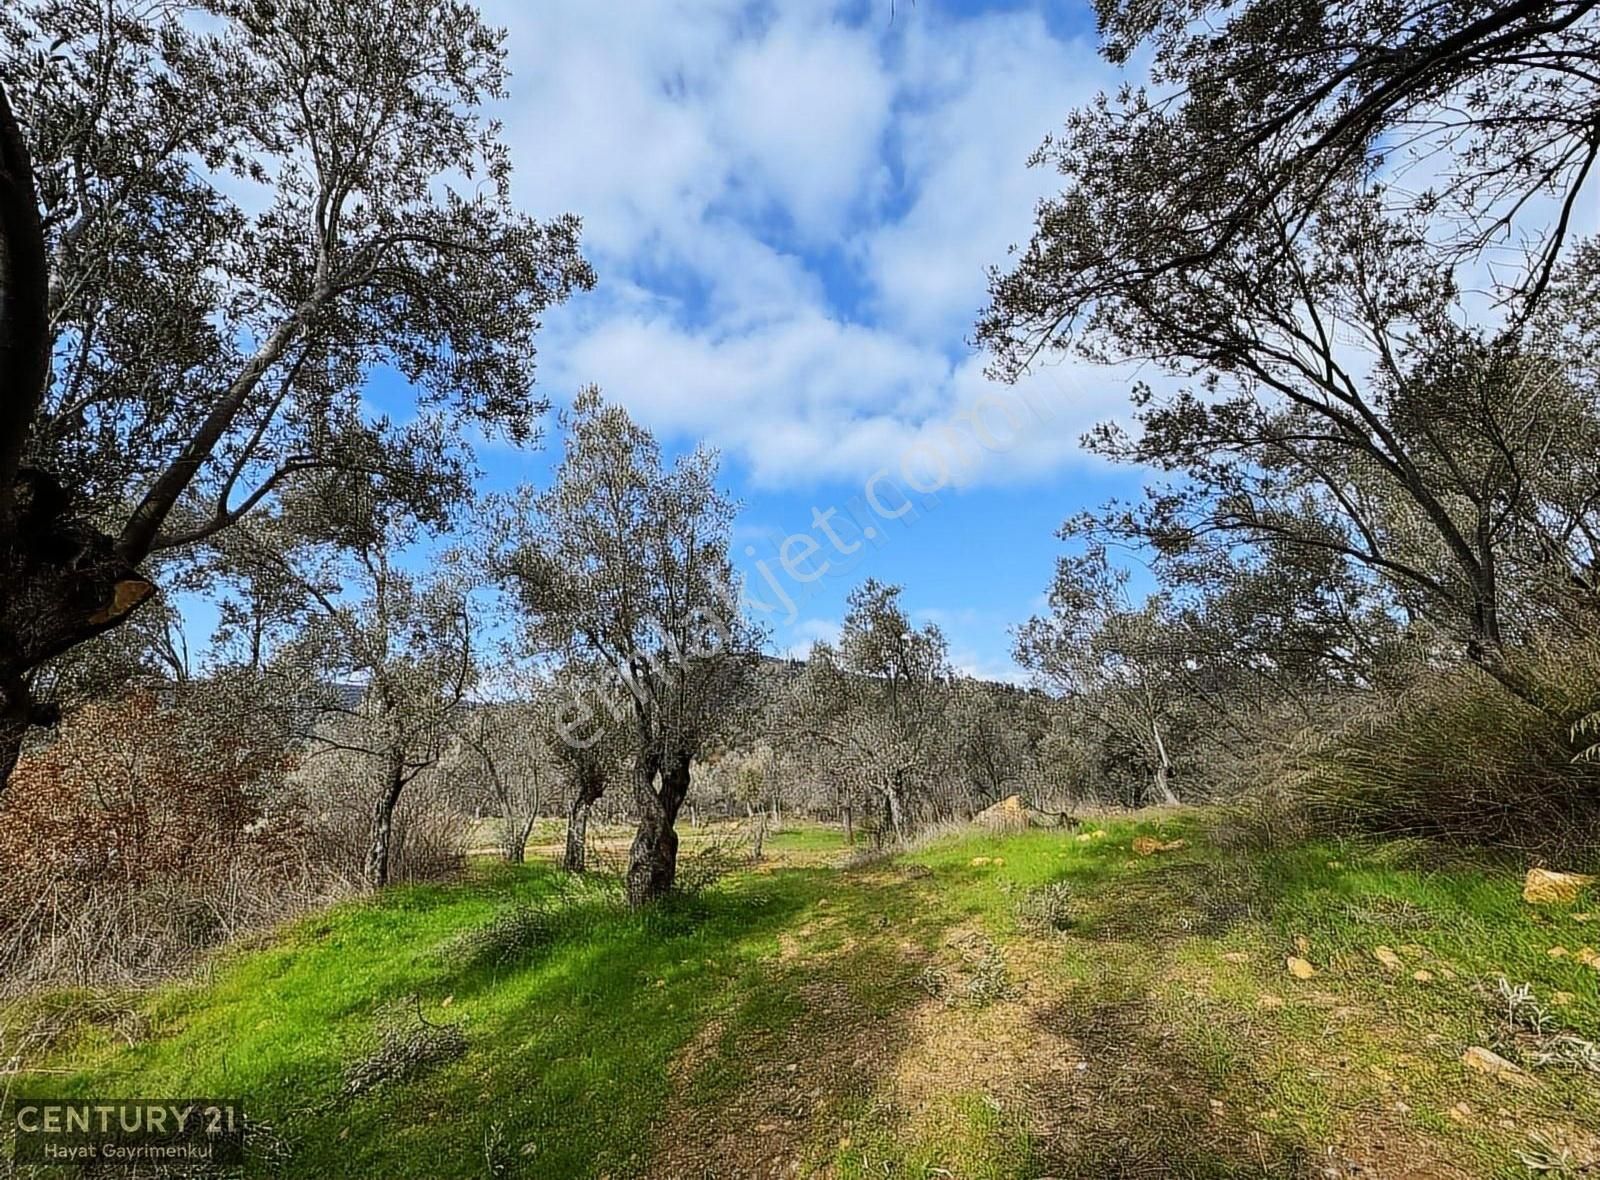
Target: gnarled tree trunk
(653, 857)
(377, 867)
(62, 582)
(577, 855)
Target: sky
(791, 209)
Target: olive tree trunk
(653, 857)
(517, 831)
(576, 859)
(377, 866)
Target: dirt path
(907, 1037)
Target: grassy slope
(786, 1022)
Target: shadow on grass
(1144, 1105)
(763, 1087)
(571, 1042)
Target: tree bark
(518, 829)
(653, 857)
(24, 302)
(61, 584)
(1163, 768)
(897, 817)
(377, 867)
(16, 717)
(758, 838)
(576, 859)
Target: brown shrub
(150, 828)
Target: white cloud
(737, 169)
(980, 97)
(804, 110)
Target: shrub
(506, 938)
(1456, 756)
(151, 828)
(1046, 909)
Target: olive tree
(507, 751)
(872, 713)
(1116, 657)
(623, 561)
(218, 220)
(385, 661)
(1254, 112)
(1325, 397)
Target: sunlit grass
(776, 1006)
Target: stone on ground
(1547, 887)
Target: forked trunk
(577, 855)
(653, 858)
(518, 829)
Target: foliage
(147, 788)
(384, 661)
(1125, 662)
(623, 563)
(1322, 390)
(871, 715)
(1454, 757)
(507, 752)
(234, 215)
(155, 827)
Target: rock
(1461, 1112)
(1387, 957)
(1487, 1061)
(1589, 957)
(1422, 976)
(1299, 968)
(978, 862)
(1557, 952)
(1150, 845)
(1562, 999)
(1546, 887)
(1008, 815)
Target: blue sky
(791, 208)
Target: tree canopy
(225, 224)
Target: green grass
(783, 1016)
